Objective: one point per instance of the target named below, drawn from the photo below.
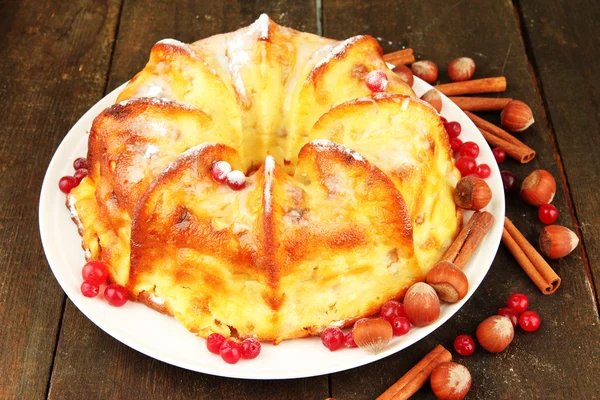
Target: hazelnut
(516, 116)
(372, 334)
(495, 333)
(433, 97)
(405, 74)
(461, 69)
(538, 188)
(421, 304)
(449, 282)
(557, 241)
(450, 381)
(426, 70)
(472, 193)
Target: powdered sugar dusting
(338, 50)
(73, 211)
(156, 300)
(191, 152)
(151, 150)
(156, 101)
(324, 144)
(405, 104)
(267, 197)
(261, 26)
(174, 42)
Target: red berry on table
(90, 289)
(219, 171)
(67, 183)
(510, 314)
(391, 310)
(236, 180)
(453, 128)
(530, 321)
(116, 295)
(332, 338)
(464, 345)
(80, 174)
(400, 326)
(548, 214)
(349, 340)
(250, 348)
(230, 351)
(80, 163)
(466, 165)
(470, 149)
(518, 302)
(95, 271)
(509, 180)
(455, 144)
(499, 154)
(484, 171)
(214, 342)
(376, 81)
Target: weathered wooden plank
(49, 51)
(91, 364)
(563, 40)
(559, 360)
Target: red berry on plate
(453, 128)
(499, 154)
(230, 351)
(376, 81)
(95, 271)
(332, 338)
(250, 348)
(484, 171)
(444, 120)
(219, 171)
(464, 345)
(510, 314)
(80, 174)
(455, 144)
(236, 180)
(470, 149)
(400, 326)
(530, 321)
(509, 180)
(391, 310)
(518, 302)
(116, 295)
(349, 340)
(548, 214)
(67, 183)
(90, 289)
(214, 342)
(466, 165)
(80, 163)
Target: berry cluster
(68, 183)
(95, 274)
(467, 151)
(230, 350)
(222, 172)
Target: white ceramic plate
(163, 338)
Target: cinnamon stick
(522, 153)
(485, 85)
(480, 103)
(404, 56)
(416, 377)
(534, 265)
(469, 237)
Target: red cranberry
(464, 345)
(391, 310)
(349, 340)
(453, 128)
(116, 295)
(518, 302)
(219, 171)
(455, 144)
(510, 314)
(484, 171)
(80, 163)
(80, 174)
(400, 326)
(230, 351)
(444, 120)
(376, 81)
(236, 180)
(95, 271)
(509, 180)
(548, 214)
(90, 288)
(250, 348)
(470, 149)
(67, 183)
(214, 342)
(332, 338)
(530, 321)
(499, 154)
(466, 165)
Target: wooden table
(60, 57)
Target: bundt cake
(347, 200)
